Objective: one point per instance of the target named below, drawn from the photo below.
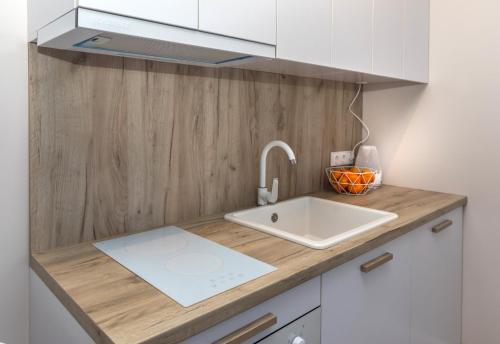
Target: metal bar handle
(250, 330)
(376, 262)
(441, 226)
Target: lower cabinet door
(367, 300)
(436, 281)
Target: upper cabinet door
(253, 20)
(352, 34)
(305, 31)
(388, 37)
(175, 12)
(416, 52)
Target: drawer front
(285, 308)
(367, 300)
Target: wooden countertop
(115, 306)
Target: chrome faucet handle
(273, 197)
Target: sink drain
(274, 217)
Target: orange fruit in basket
(357, 188)
(344, 182)
(336, 175)
(356, 170)
(353, 177)
(368, 176)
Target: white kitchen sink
(311, 221)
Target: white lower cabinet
(436, 281)
(415, 297)
(368, 307)
(407, 291)
(47, 314)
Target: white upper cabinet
(253, 20)
(352, 35)
(416, 52)
(388, 37)
(175, 12)
(305, 31)
(436, 280)
(349, 40)
(383, 37)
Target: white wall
(446, 137)
(14, 285)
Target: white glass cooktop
(186, 267)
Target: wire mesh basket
(351, 180)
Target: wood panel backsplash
(121, 145)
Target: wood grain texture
(116, 306)
(121, 145)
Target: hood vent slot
(135, 47)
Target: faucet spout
(263, 158)
(264, 195)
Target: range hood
(105, 33)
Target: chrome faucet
(265, 196)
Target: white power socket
(341, 158)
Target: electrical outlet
(341, 158)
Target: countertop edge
(229, 310)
